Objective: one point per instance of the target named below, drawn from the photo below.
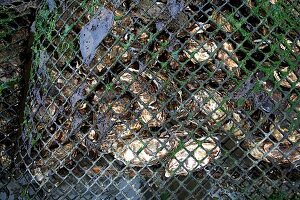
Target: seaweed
(104, 125)
(263, 101)
(76, 122)
(175, 7)
(77, 95)
(92, 34)
(243, 91)
(51, 5)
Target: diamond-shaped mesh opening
(158, 99)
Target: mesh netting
(15, 20)
(170, 99)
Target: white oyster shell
(275, 152)
(237, 126)
(142, 152)
(193, 156)
(199, 52)
(210, 103)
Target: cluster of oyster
(136, 106)
(162, 94)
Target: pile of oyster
(161, 84)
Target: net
(170, 99)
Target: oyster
(125, 129)
(176, 130)
(222, 21)
(160, 11)
(54, 160)
(288, 79)
(153, 117)
(207, 101)
(200, 51)
(228, 56)
(210, 103)
(200, 28)
(38, 174)
(143, 90)
(282, 132)
(139, 86)
(281, 153)
(5, 159)
(120, 107)
(62, 153)
(142, 152)
(194, 155)
(237, 126)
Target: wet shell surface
(287, 77)
(282, 132)
(275, 152)
(141, 152)
(228, 56)
(237, 126)
(199, 52)
(210, 102)
(194, 155)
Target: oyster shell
(60, 154)
(286, 80)
(5, 159)
(282, 132)
(195, 155)
(124, 129)
(153, 117)
(142, 152)
(228, 56)
(237, 126)
(200, 51)
(144, 90)
(139, 86)
(210, 103)
(222, 21)
(53, 160)
(281, 153)
(207, 101)
(120, 106)
(200, 28)
(176, 130)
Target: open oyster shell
(194, 155)
(142, 152)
